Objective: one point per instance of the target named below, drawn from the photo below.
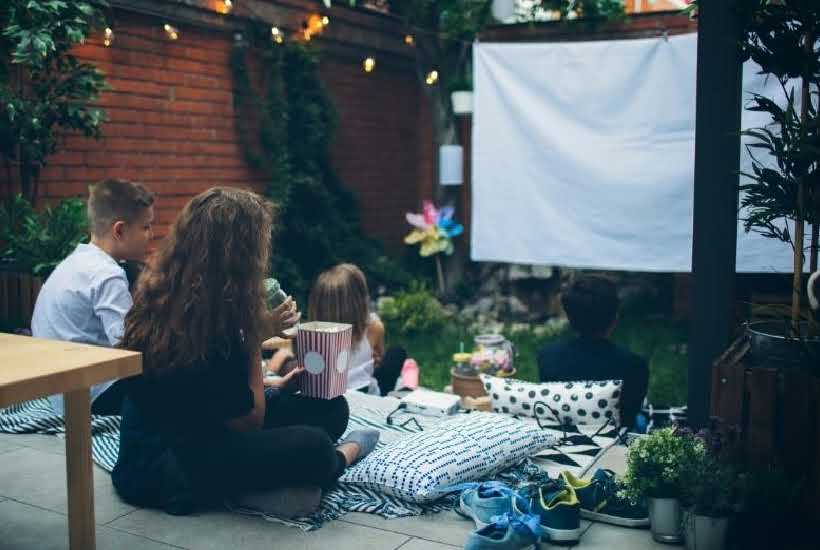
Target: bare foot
(350, 451)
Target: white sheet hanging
(583, 156)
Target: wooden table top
(32, 367)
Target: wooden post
(717, 159)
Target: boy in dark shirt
(591, 304)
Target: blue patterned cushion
(467, 447)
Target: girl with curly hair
(198, 425)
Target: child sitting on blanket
(591, 304)
(87, 296)
(340, 295)
(197, 426)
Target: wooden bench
(32, 368)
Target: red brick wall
(171, 125)
(376, 148)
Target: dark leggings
(296, 448)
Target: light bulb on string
(409, 40)
(108, 37)
(228, 5)
(276, 35)
(171, 31)
(325, 20)
(369, 64)
(432, 77)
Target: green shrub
(656, 464)
(13, 217)
(41, 241)
(413, 312)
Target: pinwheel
(433, 230)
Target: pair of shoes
(600, 500)
(553, 504)
(507, 532)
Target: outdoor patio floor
(33, 516)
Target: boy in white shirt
(87, 297)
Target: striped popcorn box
(324, 350)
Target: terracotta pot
(467, 386)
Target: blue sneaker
(507, 532)
(481, 502)
(557, 506)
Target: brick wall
(171, 123)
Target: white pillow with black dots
(566, 403)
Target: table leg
(79, 470)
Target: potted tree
(655, 466)
(781, 195)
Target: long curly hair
(204, 290)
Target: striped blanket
(579, 448)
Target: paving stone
(24, 527)
(446, 527)
(218, 530)
(8, 443)
(607, 537)
(419, 544)
(48, 443)
(38, 478)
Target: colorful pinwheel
(434, 229)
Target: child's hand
(285, 381)
(285, 316)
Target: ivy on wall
(286, 123)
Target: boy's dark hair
(112, 200)
(591, 304)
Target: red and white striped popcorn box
(324, 350)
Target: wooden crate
(776, 412)
(18, 294)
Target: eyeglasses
(412, 420)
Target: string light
(409, 40)
(276, 35)
(325, 20)
(369, 64)
(315, 24)
(171, 31)
(108, 37)
(432, 78)
(228, 6)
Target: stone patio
(33, 516)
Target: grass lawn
(661, 341)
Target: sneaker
(481, 502)
(557, 506)
(600, 501)
(507, 532)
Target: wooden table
(31, 368)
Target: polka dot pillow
(467, 447)
(570, 403)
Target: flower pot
(772, 345)
(467, 386)
(462, 102)
(665, 520)
(704, 532)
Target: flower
(434, 229)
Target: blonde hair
(340, 295)
(113, 200)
